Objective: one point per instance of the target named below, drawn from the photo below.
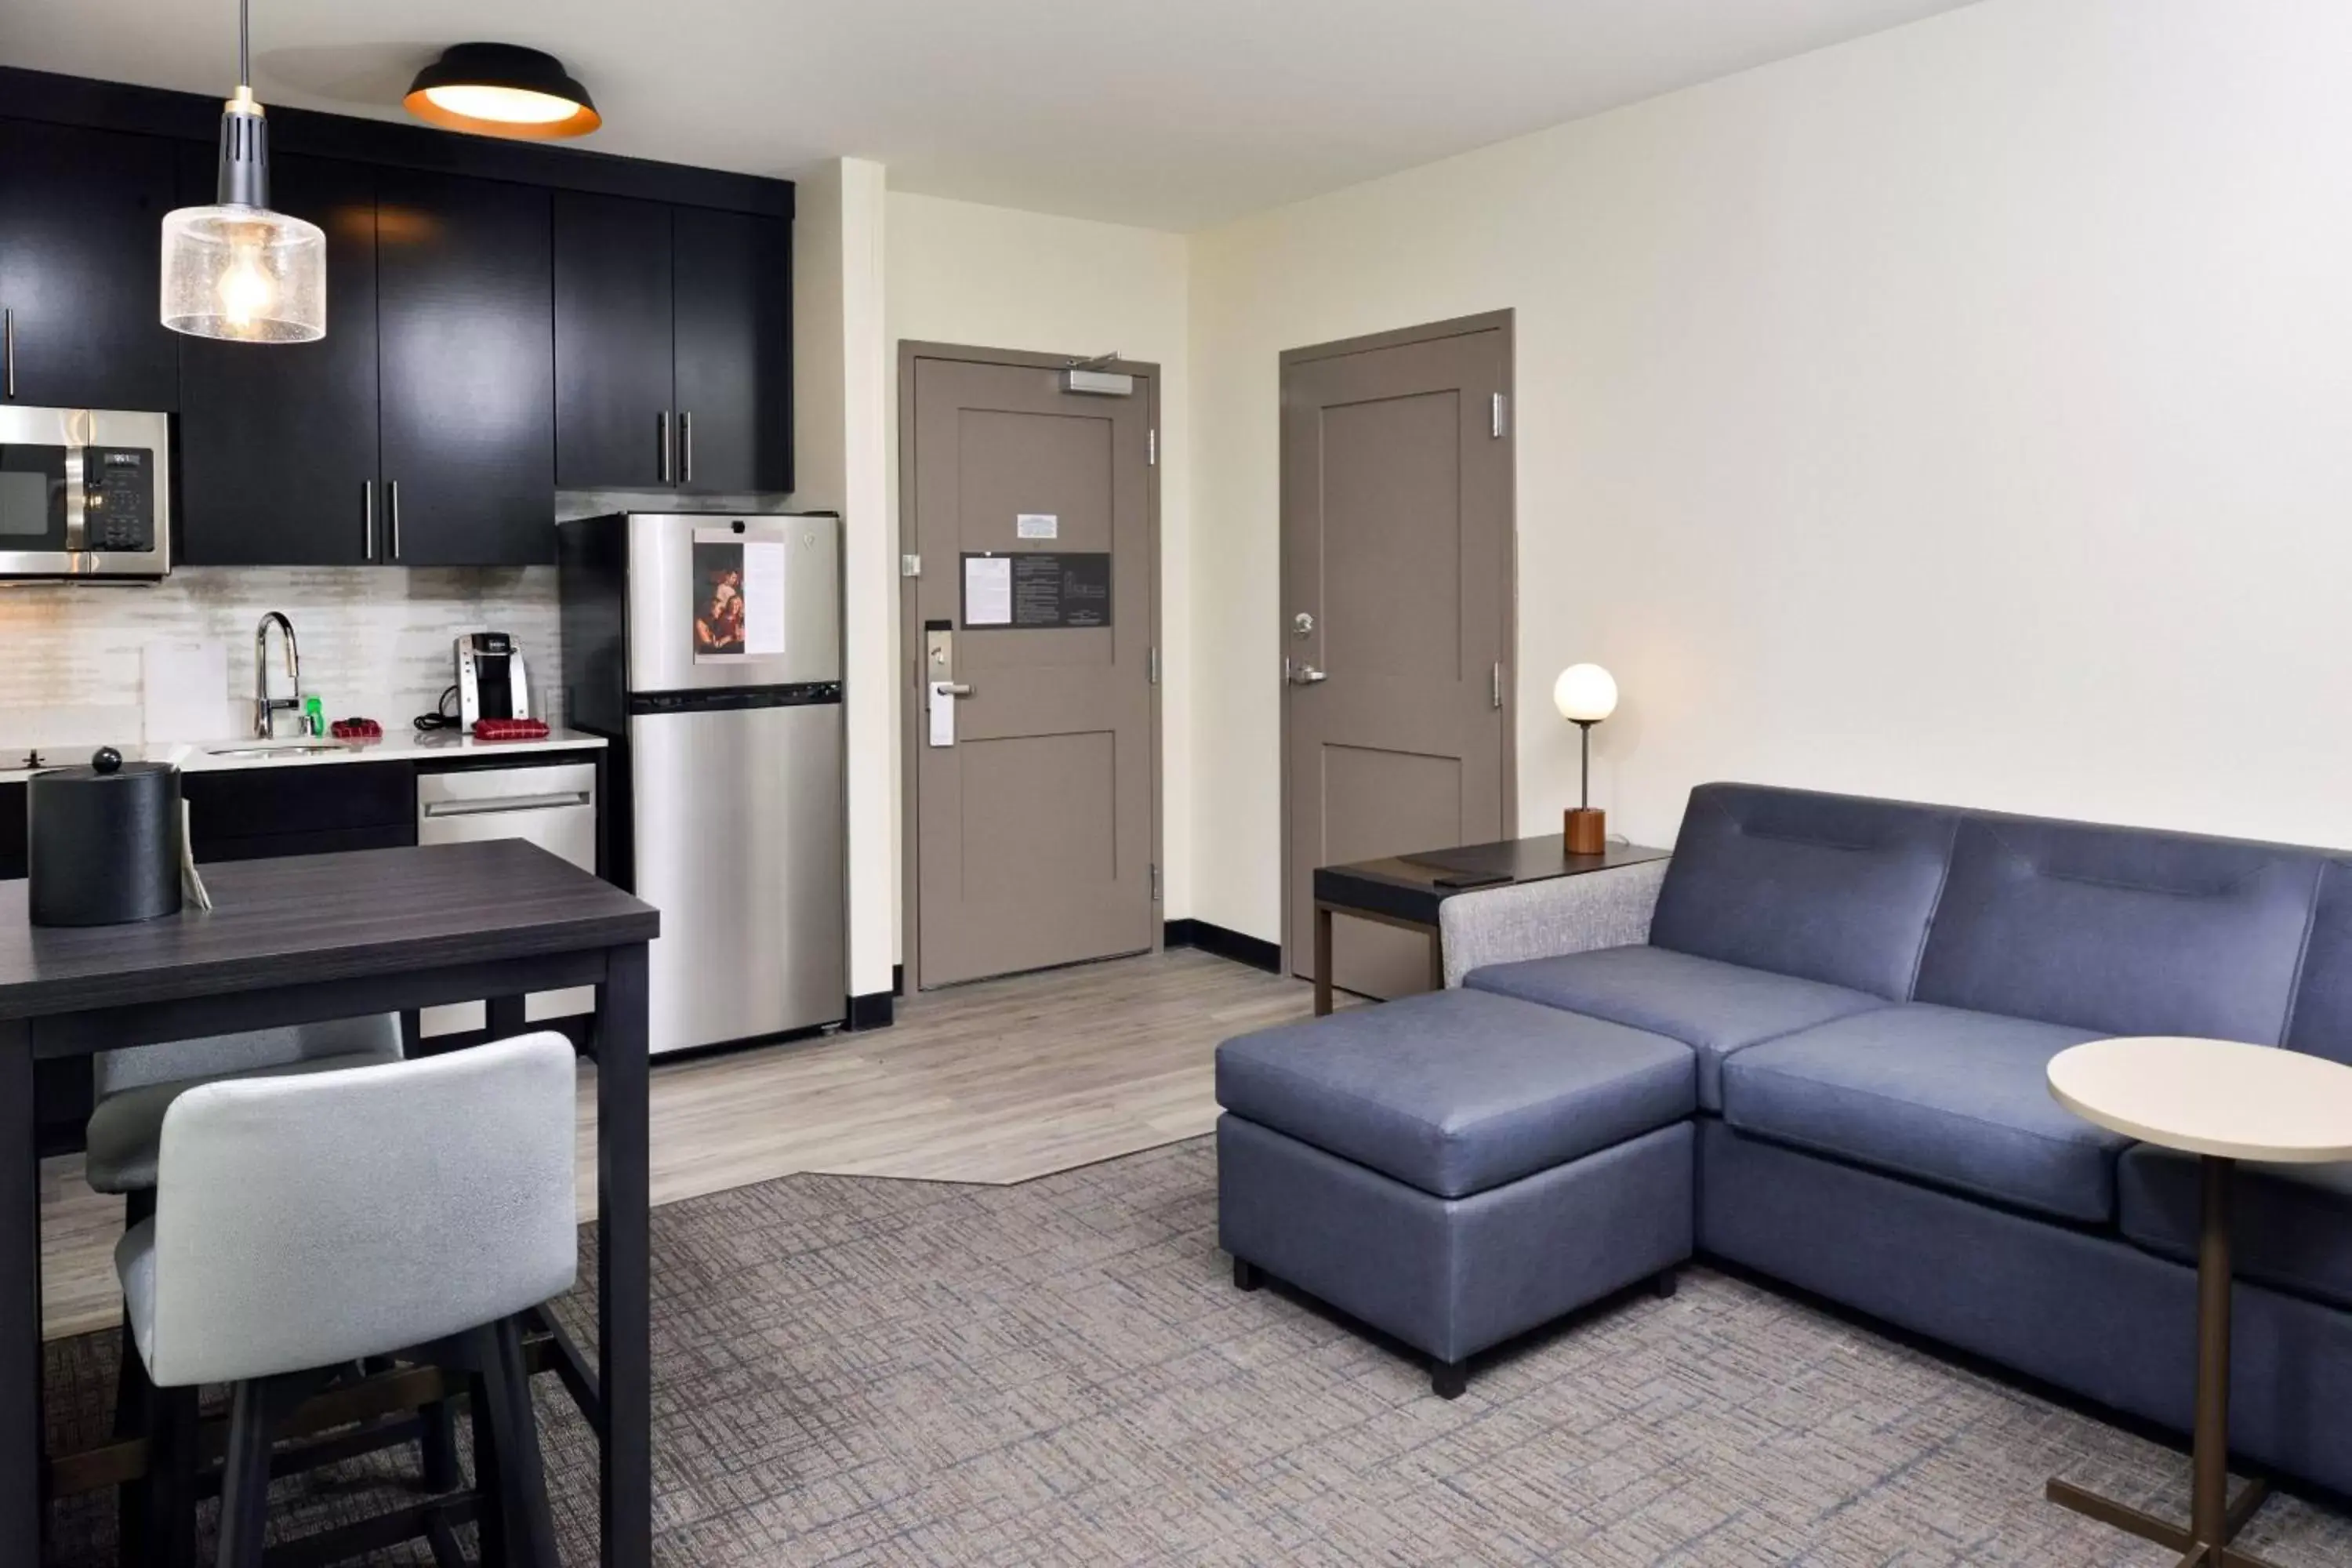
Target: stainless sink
(280, 749)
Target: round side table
(2225, 1102)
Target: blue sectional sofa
(1869, 992)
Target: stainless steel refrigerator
(707, 648)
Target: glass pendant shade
(244, 273)
(235, 269)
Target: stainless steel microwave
(85, 493)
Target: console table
(1405, 890)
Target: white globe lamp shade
(245, 274)
(1584, 693)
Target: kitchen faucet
(265, 707)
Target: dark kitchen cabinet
(614, 391)
(81, 226)
(278, 441)
(464, 313)
(734, 353)
(673, 347)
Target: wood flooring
(996, 1082)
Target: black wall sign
(1059, 588)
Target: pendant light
(235, 269)
(502, 89)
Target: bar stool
(132, 1089)
(306, 1222)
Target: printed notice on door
(737, 587)
(1041, 589)
(988, 590)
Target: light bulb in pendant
(247, 292)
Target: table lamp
(1585, 694)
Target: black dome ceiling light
(501, 89)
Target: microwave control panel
(119, 497)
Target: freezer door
(740, 831)
(719, 601)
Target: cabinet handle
(392, 504)
(367, 511)
(661, 445)
(686, 442)
(8, 327)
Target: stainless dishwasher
(553, 804)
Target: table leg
(1322, 959)
(2210, 1500)
(1437, 958)
(2213, 1519)
(23, 1509)
(623, 1275)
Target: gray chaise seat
(1873, 991)
(1456, 1169)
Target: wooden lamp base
(1586, 829)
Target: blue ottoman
(1456, 1169)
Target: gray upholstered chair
(132, 1089)
(305, 1222)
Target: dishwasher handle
(501, 805)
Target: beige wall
(838, 413)
(993, 278)
(1957, 414)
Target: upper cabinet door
(734, 293)
(278, 441)
(82, 245)
(614, 402)
(465, 311)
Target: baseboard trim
(1255, 951)
(872, 1011)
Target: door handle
(367, 514)
(391, 505)
(685, 446)
(8, 327)
(951, 688)
(661, 445)
(1300, 673)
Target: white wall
(839, 419)
(991, 277)
(1957, 414)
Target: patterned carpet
(870, 1372)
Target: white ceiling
(1175, 115)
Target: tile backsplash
(376, 640)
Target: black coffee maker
(491, 683)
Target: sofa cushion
(2292, 1227)
(2321, 1021)
(1824, 887)
(2123, 930)
(1713, 1007)
(1456, 1092)
(1956, 1098)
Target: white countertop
(404, 744)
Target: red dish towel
(510, 728)
(356, 729)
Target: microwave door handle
(77, 500)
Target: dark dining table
(333, 936)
